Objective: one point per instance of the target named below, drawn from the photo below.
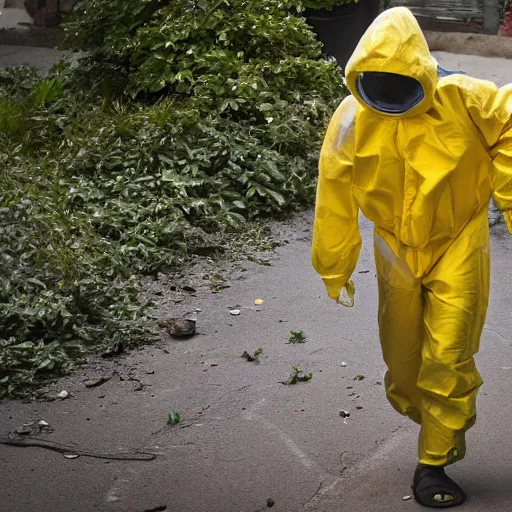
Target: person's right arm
(336, 237)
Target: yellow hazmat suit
(424, 177)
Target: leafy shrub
(63, 288)
(186, 118)
(326, 4)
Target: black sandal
(433, 488)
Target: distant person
(420, 152)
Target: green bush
(186, 118)
(326, 4)
(63, 288)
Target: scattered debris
(184, 327)
(174, 418)
(23, 430)
(234, 312)
(344, 414)
(94, 383)
(181, 327)
(40, 427)
(298, 375)
(115, 350)
(209, 364)
(248, 356)
(63, 395)
(140, 386)
(364, 272)
(378, 383)
(188, 288)
(343, 364)
(150, 372)
(359, 407)
(71, 456)
(297, 337)
(270, 503)
(191, 315)
(283, 321)
(161, 508)
(34, 427)
(258, 302)
(209, 250)
(217, 283)
(359, 377)
(131, 376)
(407, 498)
(260, 261)
(255, 357)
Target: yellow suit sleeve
(491, 110)
(336, 237)
(508, 220)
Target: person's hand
(347, 293)
(508, 220)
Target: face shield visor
(389, 93)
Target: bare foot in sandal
(433, 488)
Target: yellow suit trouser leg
(401, 335)
(430, 330)
(456, 297)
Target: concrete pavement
(244, 437)
(40, 58)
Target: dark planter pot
(341, 28)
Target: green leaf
(239, 204)
(276, 196)
(266, 107)
(35, 281)
(174, 418)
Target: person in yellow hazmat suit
(420, 154)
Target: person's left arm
(490, 109)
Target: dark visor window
(389, 92)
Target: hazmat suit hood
(391, 70)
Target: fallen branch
(62, 448)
